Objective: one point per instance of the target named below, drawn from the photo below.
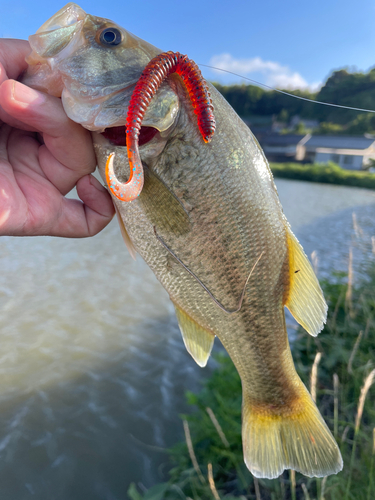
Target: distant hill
(342, 87)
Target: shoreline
(326, 174)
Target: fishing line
(287, 93)
(219, 304)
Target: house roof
(339, 142)
(258, 120)
(282, 139)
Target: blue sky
(285, 44)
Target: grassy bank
(209, 465)
(329, 174)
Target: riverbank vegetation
(342, 87)
(339, 368)
(329, 173)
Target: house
(309, 124)
(284, 147)
(352, 153)
(260, 126)
(349, 152)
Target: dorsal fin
(197, 340)
(305, 298)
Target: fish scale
(185, 289)
(216, 209)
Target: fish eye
(110, 36)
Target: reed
(305, 491)
(371, 473)
(355, 348)
(217, 426)
(361, 403)
(211, 482)
(333, 318)
(191, 451)
(344, 434)
(257, 489)
(323, 488)
(314, 375)
(335, 404)
(292, 475)
(348, 295)
(282, 487)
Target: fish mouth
(56, 34)
(59, 38)
(95, 82)
(69, 15)
(117, 135)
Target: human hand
(43, 155)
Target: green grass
(222, 394)
(329, 173)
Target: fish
(209, 223)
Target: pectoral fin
(162, 208)
(305, 298)
(197, 340)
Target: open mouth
(117, 135)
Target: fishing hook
(150, 80)
(219, 304)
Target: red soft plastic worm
(153, 75)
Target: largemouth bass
(209, 223)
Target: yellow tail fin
(294, 438)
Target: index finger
(12, 58)
(68, 153)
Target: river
(92, 366)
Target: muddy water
(92, 366)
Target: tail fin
(297, 439)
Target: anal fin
(197, 340)
(305, 298)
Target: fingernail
(96, 184)
(26, 95)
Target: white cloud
(274, 74)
